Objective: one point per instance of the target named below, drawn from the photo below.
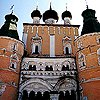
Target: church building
(52, 62)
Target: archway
(32, 95)
(61, 95)
(25, 95)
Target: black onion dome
(10, 16)
(5, 29)
(50, 14)
(90, 22)
(66, 14)
(88, 13)
(36, 13)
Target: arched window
(81, 60)
(39, 96)
(63, 68)
(67, 49)
(32, 95)
(73, 95)
(36, 44)
(66, 66)
(67, 95)
(13, 61)
(25, 95)
(14, 46)
(80, 44)
(32, 67)
(47, 68)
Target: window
(67, 49)
(80, 45)
(63, 68)
(13, 61)
(81, 60)
(36, 50)
(25, 95)
(98, 53)
(47, 68)
(14, 46)
(66, 66)
(51, 69)
(36, 44)
(13, 65)
(32, 67)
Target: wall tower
(11, 51)
(88, 56)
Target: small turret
(36, 16)
(50, 16)
(67, 16)
(10, 27)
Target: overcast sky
(23, 9)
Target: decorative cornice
(51, 25)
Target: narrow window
(98, 53)
(81, 59)
(13, 65)
(66, 50)
(36, 50)
(67, 67)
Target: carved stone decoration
(2, 88)
(36, 84)
(65, 84)
(36, 87)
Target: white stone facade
(49, 74)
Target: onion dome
(66, 14)
(36, 13)
(11, 17)
(90, 22)
(50, 14)
(10, 27)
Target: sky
(24, 8)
